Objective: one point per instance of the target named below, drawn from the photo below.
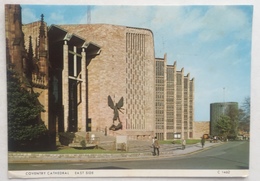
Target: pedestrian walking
(183, 143)
(215, 139)
(153, 146)
(203, 142)
(156, 147)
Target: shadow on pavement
(109, 167)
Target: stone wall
(200, 128)
(15, 52)
(17, 49)
(110, 73)
(33, 30)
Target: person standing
(183, 143)
(203, 142)
(156, 147)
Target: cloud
(181, 20)
(212, 43)
(209, 23)
(223, 21)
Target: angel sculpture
(116, 107)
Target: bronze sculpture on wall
(116, 107)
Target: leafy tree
(233, 114)
(25, 130)
(224, 126)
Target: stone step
(99, 135)
(108, 143)
(79, 146)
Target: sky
(211, 43)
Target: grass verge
(68, 150)
(188, 141)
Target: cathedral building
(122, 68)
(95, 77)
(27, 54)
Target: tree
(233, 113)
(246, 106)
(244, 116)
(25, 129)
(224, 126)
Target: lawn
(188, 141)
(68, 150)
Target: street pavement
(138, 150)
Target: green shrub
(66, 138)
(83, 143)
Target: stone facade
(68, 79)
(28, 59)
(174, 101)
(201, 128)
(36, 45)
(15, 51)
(124, 68)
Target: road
(231, 155)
